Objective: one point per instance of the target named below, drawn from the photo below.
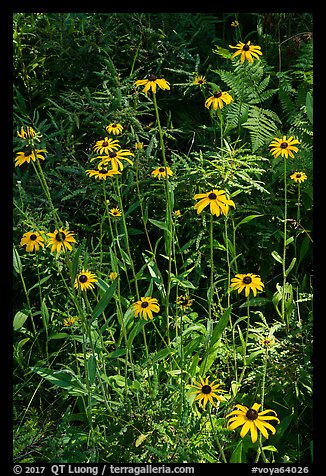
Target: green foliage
(93, 382)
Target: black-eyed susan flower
(247, 282)
(29, 155)
(200, 80)
(61, 238)
(152, 82)
(216, 101)
(115, 158)
(299, 177)
(145, 307)
(184, 301)
(247, 51)
(284, 147)
(235, 23)
(217, 201)
(114, 128)
(139, 145)
(250, 419)
(206, 392)
(177, 213)
(32, 240)
(267, 342)
(106, 145)
(102, 173)
(27, 134)
(115, 212)
(161, 172)
(69, 321)
(113, 276)
(85, 280)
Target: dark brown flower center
(102, 171)
(247, 279)
(184, 302)
(161, 169)
(212, 196)
(33, 237)
(152, 77)
(298, 176)
(245, 48)
(206, 389)
(144, 304)
(217, 94)
(284, 145)
(105, 144)
(60, 236)
(27, 153)
(251, 414)
(112, 154)
(200, 81)
(82, 278)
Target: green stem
(284, 243)
(217, 441)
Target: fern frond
(262, 126)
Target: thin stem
(284, 243)
(217, 441)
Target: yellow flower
(177, 213)
(61, 239)
(206, 392)
(250, 419)
(139, 145)
(152, 82)
(299, 177)
(114, 128)
(235, 23)
(200, 80)
(69, 321)
(85, 280)
(161, 172)
(115, 212)
(284, 147)
(106, 145)
(217, 201)
(28, 134)
(145, 307)
(216, 101)
(102, 173)
(32, 240)
(115, 158)
(247, 51)
(184, 302)
(113, 276)
(248, 282)
(29, 155)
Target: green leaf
(160, 224)
(290, 266)
(62, 378)
(309, 107)
(236, 456)
(220, 326)
(247, 219)
(104, 301)
(277, 257)
(19, 320)
(91, 369)
(17, 262)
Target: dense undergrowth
(99, 376)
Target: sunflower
(252, 420)
(247, 51)
(32, 240)
(61, 239)
(284, 147)
(114, 128)
(115, 212)
(106, 145)
(299, 177)
(217, 201)
(29, 155)
(216, 101)
(115, 158)
(184, 302)
(102, 173)
(206, 392)
(161, 172)
(85, 280)
(200, 80)
(152, 82)
(248, 282)
(145, 307)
